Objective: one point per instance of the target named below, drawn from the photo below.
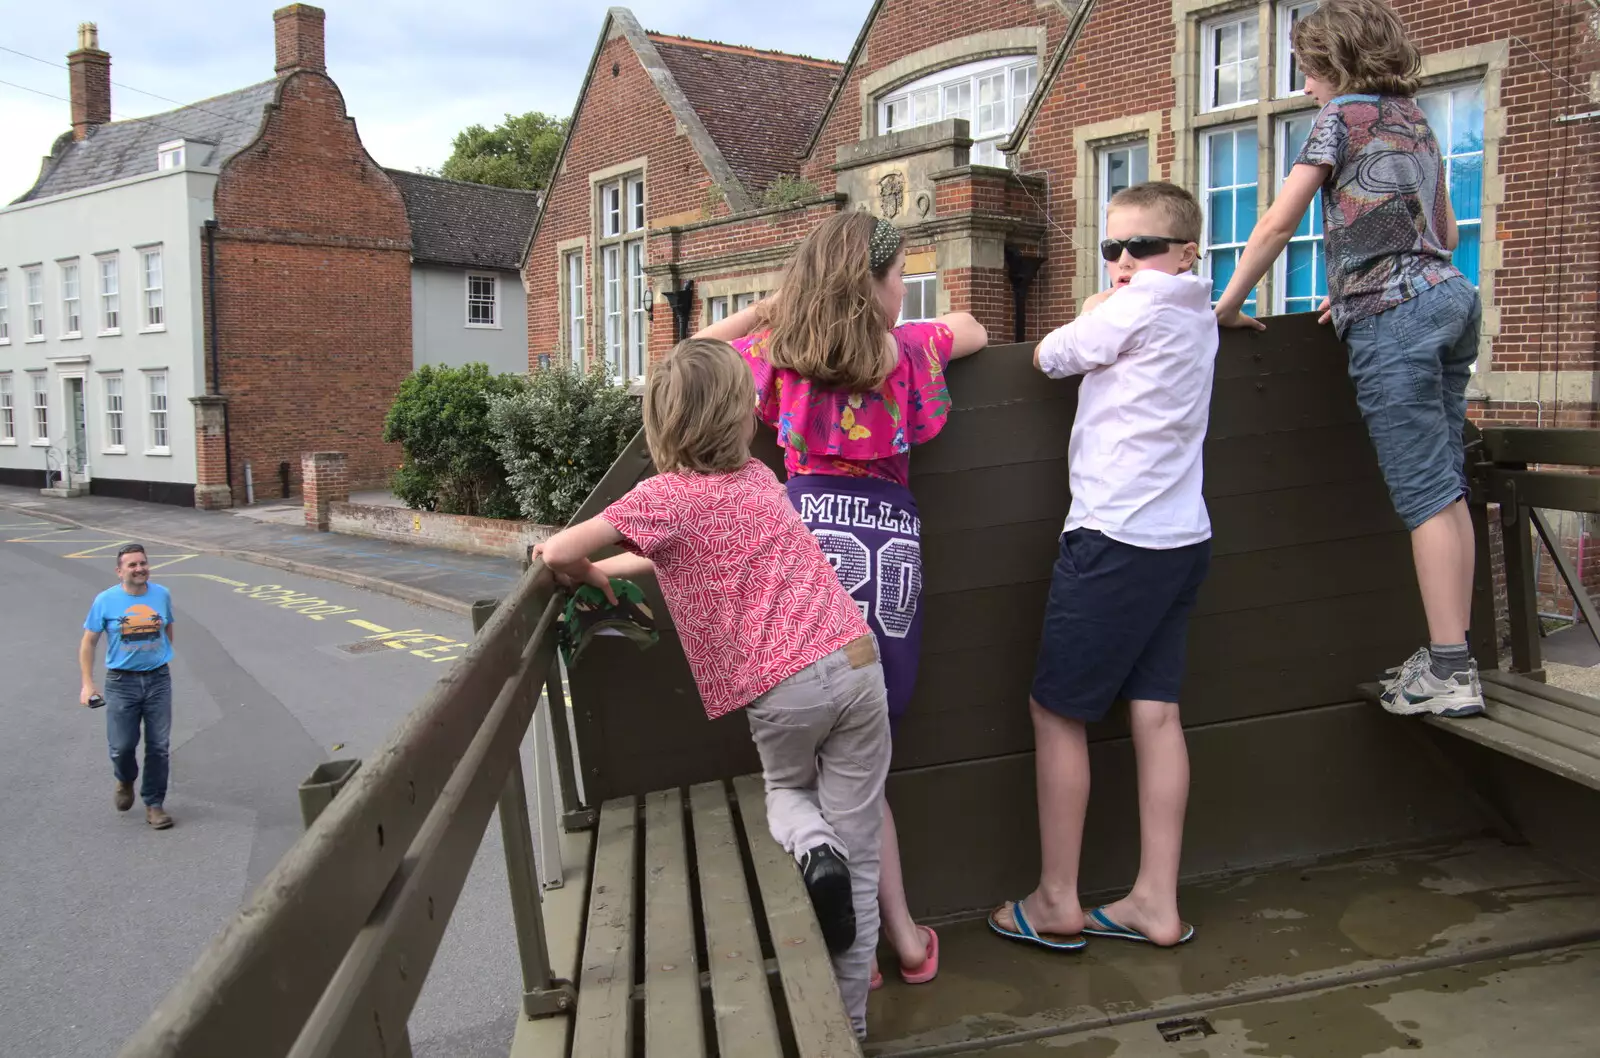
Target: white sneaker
(1417, 690)
(1420, 660)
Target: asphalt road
(274, 673)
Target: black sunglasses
(1139, 247)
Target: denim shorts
(1116, 624)
(1410, 365)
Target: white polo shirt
(1147, 356)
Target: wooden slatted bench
(699, 929)
(1548, 727)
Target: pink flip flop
(930, 963)
(876, 982)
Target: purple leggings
(869, 529)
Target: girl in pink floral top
(849, 393)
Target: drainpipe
(216, 363)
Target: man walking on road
(136, 617)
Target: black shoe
(827, 879)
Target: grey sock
(1448, 659)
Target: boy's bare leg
(1061, 763)
(1163, 764)
(898, 925)
(1443, 548)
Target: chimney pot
(89, 75)
(299, 37)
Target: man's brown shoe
(157, 818)
(123, 798)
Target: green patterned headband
(884, 245)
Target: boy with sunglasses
(1135, 549)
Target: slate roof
(760, 107)
(466, 225)
(121, 149)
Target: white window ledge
(12, 441)
(112, 333)
(158, 451)
(39, 444)
(5, 341)
(118, 450)
(33, 341)
(72, 337)
(485, 327)
(159, 328)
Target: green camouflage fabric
(588, 615)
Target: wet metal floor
(1461, 950)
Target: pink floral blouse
(827, 431)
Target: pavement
(446, 580)
(282, 662)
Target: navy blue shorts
(1116, 624)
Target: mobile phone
(95, 701)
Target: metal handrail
(331, 951)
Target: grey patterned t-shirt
(1384, 204)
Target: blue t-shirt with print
(135, 627)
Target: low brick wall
(478, 536)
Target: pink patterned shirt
(827, 431)
(752, 596)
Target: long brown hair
(827, 324)
(1358, 46)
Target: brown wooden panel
(672, 1019)
(816, 1012)
(1261, 463)
(1549, 489)
(1264, 791)
(999, 495)
(1557, 447)
(603, 1027)
(1025, 432)
(1282, 402)
(1001, 374)
(740, 998)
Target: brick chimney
(299, 39)
(89, 71)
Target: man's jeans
(132, 697)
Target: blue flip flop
(1028, 935)
(1102, 925)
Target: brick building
(994, 133)
(245, 256)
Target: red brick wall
(313, 292)
(623, 117)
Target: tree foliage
(559, 434)
(520, 152)
(441, 417)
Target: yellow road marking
(368, 625)
(210, 576)
(173, 561)
(87, 552)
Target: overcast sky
(413, 73)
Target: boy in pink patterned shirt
(766, 627)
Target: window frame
(158, 429)
(1207, 247)
(39, 420)
(1208, 78)
(1284, 63)
(621, 260)
(71, 280)
(152, 298)
(1103, 192)
(5, 306)
(968, 75)
(110, 301)
(575, 316)
(927, 284)
(33, 295)
(474, 299)
(1448, 156)
(8, 409)
(170, 155)
(1280, 268)
(115, 417)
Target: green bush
(441, 417)
(558, 435)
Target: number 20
(899, 583)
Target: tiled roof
(466, 225)
(759, 106)
(122, 149)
